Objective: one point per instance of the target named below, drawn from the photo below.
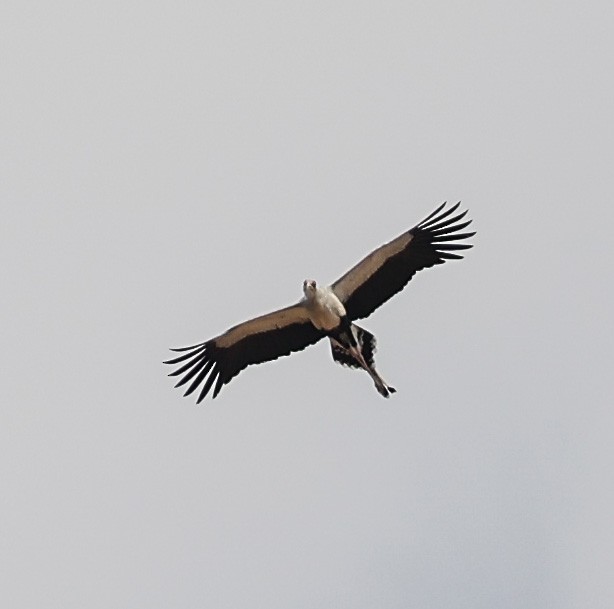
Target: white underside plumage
(324, 308)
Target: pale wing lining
(276, 320)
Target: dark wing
(389, 268)
(255, 341)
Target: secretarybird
(328, 311)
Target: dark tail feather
(366, 343)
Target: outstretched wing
(258, 340)
(389, 268)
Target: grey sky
(170, 169)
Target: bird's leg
(382, 387)
(349, 339)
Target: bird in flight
(328, 311)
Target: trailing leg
(355, 347)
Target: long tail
(359, 353)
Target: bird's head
(309, 288)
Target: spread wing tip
(199, 364)
(439, 230)
(433, 217)
(180, 349)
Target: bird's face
(309, 288)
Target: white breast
(325, 309)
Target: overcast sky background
(170, 169)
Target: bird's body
(324, 308)
(327, 311)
